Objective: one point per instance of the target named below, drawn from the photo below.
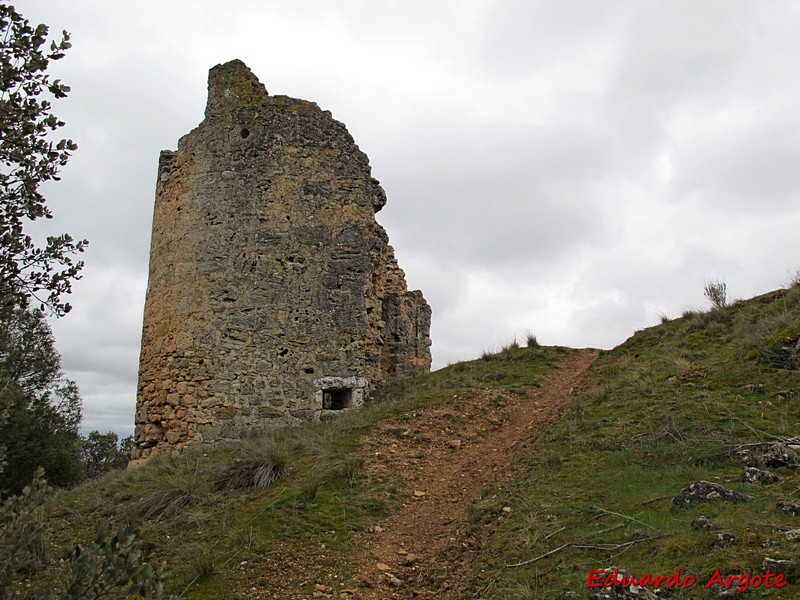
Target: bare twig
(751, 428)
(607, 529)
(751, 444)
(545, 555)
(612, 547)
(605, 547)
(656, 499)
(674, 437)
(630, 545)
(548, 536)
(758, 432)
(769, 526)
(611, 512)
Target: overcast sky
(570, 168)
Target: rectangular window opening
(337, 398)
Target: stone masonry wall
(274, 296)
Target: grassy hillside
(221, 538)
(675, 404)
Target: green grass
(668, 407)
(511, 367)
(216, 531)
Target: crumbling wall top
(233, 86)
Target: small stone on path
(408, 560)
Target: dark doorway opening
(337, 398)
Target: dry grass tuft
(258, 474)
(265, 461)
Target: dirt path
(447, 456)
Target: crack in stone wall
(268, 274)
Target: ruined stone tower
(274, 296)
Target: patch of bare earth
(445, 456)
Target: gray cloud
(753, 167)
(676, 51)
(570, 168)
(532, 189)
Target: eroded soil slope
(447, 457)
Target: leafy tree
(42, 408)
(28, 158)
(102, 452)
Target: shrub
(41, 408)
(172, 486)
(531, 341)
(264, 461)
(716, 292)
(781, 350)
(111, 567)
(258, 474)
(22, 533)
(102, 452)
(794, 280)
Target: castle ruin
(274, 296)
